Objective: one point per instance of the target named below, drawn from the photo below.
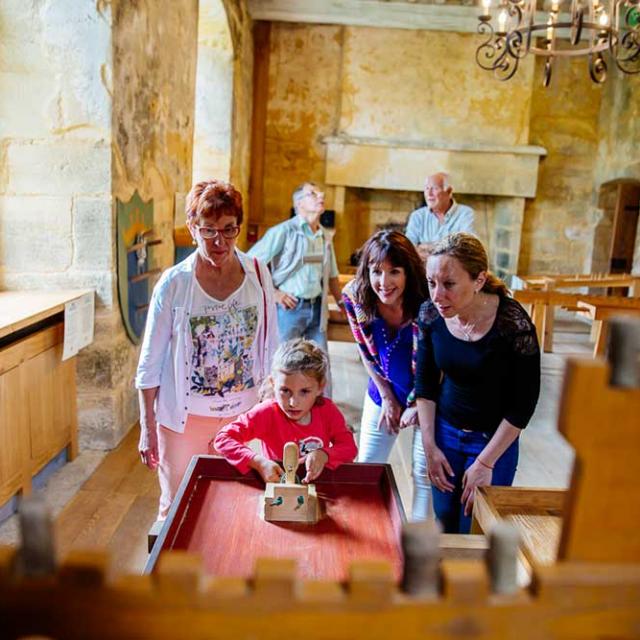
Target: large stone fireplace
(372, 183)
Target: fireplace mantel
(508, 171)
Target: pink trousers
(175, 451)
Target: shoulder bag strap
(264, 298)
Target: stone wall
(559, 223)
(55, 155)
(391, 87)
(96, 101)
(214, 94)
(304, 106)
(240, 26)
(153, 89)
(618, 154)
(56, 228)
(423, 88)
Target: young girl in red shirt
(298, 412)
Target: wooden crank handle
(290, 462)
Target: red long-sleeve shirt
(268, 423)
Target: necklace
(391, 346)
(467, 329)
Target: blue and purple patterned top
(393, 358)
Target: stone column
(96, 101)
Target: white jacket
(167, 346)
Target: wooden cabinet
(38, 416)
(37, 407)
(12, 442)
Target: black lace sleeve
(516, 329)
(515, 326)
(427, 373)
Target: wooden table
(544, 316)
(565, 281)
(536, 514)
(542, 305)
(339, 329)
(602, 312)
(216, 514)
(37, 390)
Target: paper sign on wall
(78, 324)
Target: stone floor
(545, 459)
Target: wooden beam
(261, 49)
(375, 13)
(368, 13)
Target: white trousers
(375, 446)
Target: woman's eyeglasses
(210, 233)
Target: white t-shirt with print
(224, 374)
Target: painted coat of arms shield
(134, 229)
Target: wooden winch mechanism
(289, 500)
(591, 590)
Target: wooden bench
(542, 304)
(590, 280)
(338, 329)
(536, 514)
(553, 282)
(601, 312)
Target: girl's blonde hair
(297, 356)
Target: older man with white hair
(441, 216)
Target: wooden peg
(623, 352)
(290, 456)
(421, 549)
(37, 553)
(504, 542)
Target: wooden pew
(338, 328)
(601, 312)
(553, 282)
(590, 591)
(590, 280)
(542, 304)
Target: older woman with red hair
(209, 339)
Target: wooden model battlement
(462, 599)
(591, 591)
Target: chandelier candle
(599, 30)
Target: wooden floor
(116, 506)
(114, 510)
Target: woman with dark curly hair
(477, 380)
(210, 336)
(382, 304)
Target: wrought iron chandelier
(590, 28)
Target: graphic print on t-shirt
(223, 351)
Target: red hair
(213, 199)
